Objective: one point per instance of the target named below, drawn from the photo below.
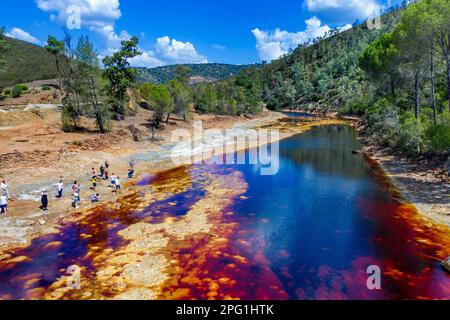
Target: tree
(181, 97)
(120, 76)
(58, 49)
(89, 70)
(2, 47)
(158, 97)
(182, 74)
(381, 58)
(441, 19)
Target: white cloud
(147, 59)
(174, 51)
(99, 16)
(96, 15)
(344, 10)
(272, 45)
(219, 47)
(168, 52)
(20, 34)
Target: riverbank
(424, 185)
(35, 155)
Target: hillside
(324, 75)
(207, 71)
(25, 62)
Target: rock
(447, 165)
(41, 222)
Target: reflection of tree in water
(328, 149)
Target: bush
(23, 87)
(46, 88)
(16, 91)
(438, 138)
(7, 92)
(67, 120)
(411, 135)
(383, 122)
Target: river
(309, 232)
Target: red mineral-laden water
(309, 232)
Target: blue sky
(185, 31)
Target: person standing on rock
(76, 199)
(60, 187)
(4, 188)
(102, 172)
(44, 200)
(118, 187)
(94, 183)
(3, 204)
(113, 182)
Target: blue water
(323, 219)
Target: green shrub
(67, 120)
(383, 122)
(46, 88)
(438, 138)
(16, 91)
(411, 135)
(7, 92)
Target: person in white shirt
(4, 188)
(118, 184)
(60, 187)
(3, 204)
(113, 181)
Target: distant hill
(207, 71)
(26, 62)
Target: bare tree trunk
(433, 90)
(448, 81)
(168, 117)
(98, 112)
(59, 73)
(417, 95)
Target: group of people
(103, 175)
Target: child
(75, 187)
(132, 164)
(102, 171)
(113, 181)
(94, 183)
(94, 172)
(118, 184)
(3, 204)
(130, 173)
(95, 198)
(44, 200)
(106, 173)
(76, 199)
(60, 187)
